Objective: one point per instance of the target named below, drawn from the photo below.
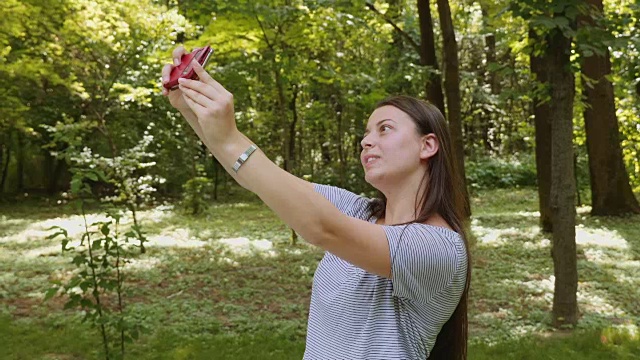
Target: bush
(493, 173)
(197, 194)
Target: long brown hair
(443, 195)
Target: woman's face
(394, 146)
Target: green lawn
(227, 285)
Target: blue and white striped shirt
(358, 315)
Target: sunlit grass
(229, 278)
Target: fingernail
(176, 61)
(181, 80)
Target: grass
(227, 285)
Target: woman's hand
(213, 106)
(175, 96)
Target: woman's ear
(429, 146)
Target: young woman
(394, 280)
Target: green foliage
(99, 258)
(197, 193)
(494, 173)
(91, 68)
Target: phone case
(185, 69)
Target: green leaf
(105, 229)
(86, 303)
(78, 260)
(76, 184)
(561, 21)
(85, 285)
(50, 293)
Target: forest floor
(227, 284)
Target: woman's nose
(365, 142)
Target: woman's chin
(372, 178)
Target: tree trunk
(20, 162)
(452, 89)
(1, 165)
(282, 114)
(58, 167)
(325, 146)
(542, 116)
(565, 306)
(216, 171)
(491, 77)
(5, 169)
(611, 192)
(428, 58)
(341, 151)
(291, 153)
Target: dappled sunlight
(590, 301)
(496, 237)
(156, 214)
(141, 264)
(512, 214)
(43, 251)
(74, 225)
(175, 238)
(529, 214)
(600, 237)
(583, 210)
(540, 286)
(244, 246)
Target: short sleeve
(347, 202)
(425, 261)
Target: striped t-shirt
(358, 315)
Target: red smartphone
(185, 69)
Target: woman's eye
(385, 126)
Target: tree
(562, 192)
(539, 60)
(452, 89)
(425, 49)
(556, 26)
(611, 192)
(428, 56)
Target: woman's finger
(200, 87)
(194, 106)
(198, 97)
(177, 54)
(166, 73)
(206, 78)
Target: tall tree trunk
(491, 77)
(291, 153)
(611, 192)
(216, 177)
(397, 84)
(542, 117)
(428, 58)
(20, 162)
(452, 89)
(5, 168)
(282, 114)
(1, 165)
(342, 158)
(325, 146)
(58, 167)
(563, 190)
